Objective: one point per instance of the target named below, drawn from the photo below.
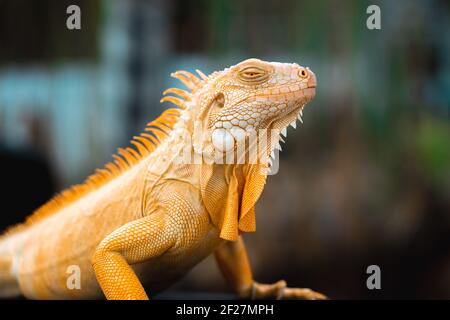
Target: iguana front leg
(137, 241)
(233, 261)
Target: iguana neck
(229, 191)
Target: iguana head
(251, 96)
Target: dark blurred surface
(19, 167)
(364, 181)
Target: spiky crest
(144, 144)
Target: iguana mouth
(225, 137)
(294, 113)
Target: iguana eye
(253, 75)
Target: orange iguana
(148, 217)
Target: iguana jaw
(293, 113)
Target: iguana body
(147, 218)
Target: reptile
(150, 215)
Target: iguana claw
(279, 290)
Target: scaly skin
(147, 218)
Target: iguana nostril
(302, 73)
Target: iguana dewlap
(149, 216)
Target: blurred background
(364, 181)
